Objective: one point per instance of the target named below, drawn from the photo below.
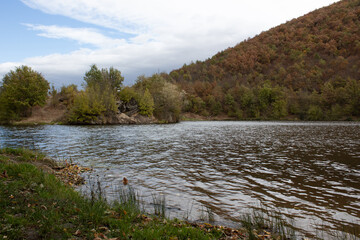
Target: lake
(310, 171)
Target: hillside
(307, 68)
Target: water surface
(310, 171)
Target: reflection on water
(310, 171)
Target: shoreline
(37, 187)
(261, 224)
(36, 195)
(200, 119)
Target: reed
(263, 222)
(159, 204)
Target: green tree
(68, 94)
(19, 91)
(98, 100)
(127, 93)
(167, 103)
(87, 107)
(167, 97)
(352, 90)
(146, 104)
(315, 113)
(279, 109)
(105, 78)
(213, 105)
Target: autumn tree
(19, 91)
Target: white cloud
(81, 35)
(166, 34)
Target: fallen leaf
(102, 236)
(125, 181)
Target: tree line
(103, 89)
(157, 96)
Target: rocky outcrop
(129, 108)
(128, 113)
(122, 118)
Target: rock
(125, 119)
(129, 108)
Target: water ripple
(310, 171)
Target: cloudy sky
(62, 38)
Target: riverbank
(292, 118)
(57, 113)
(35, 204)
(51, 114)
(38, 202)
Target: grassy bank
(37, 201)
(35, 204)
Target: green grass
(36, 205)
(23, 154)
(26, 155)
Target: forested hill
(307, 68)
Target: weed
(129, 200)
(210, 215)
(159, 204)
(263, 219)
(188, 212)
(206, 215)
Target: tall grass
(159, 204)
(128, 201)
(207, 215)
(271, 222)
